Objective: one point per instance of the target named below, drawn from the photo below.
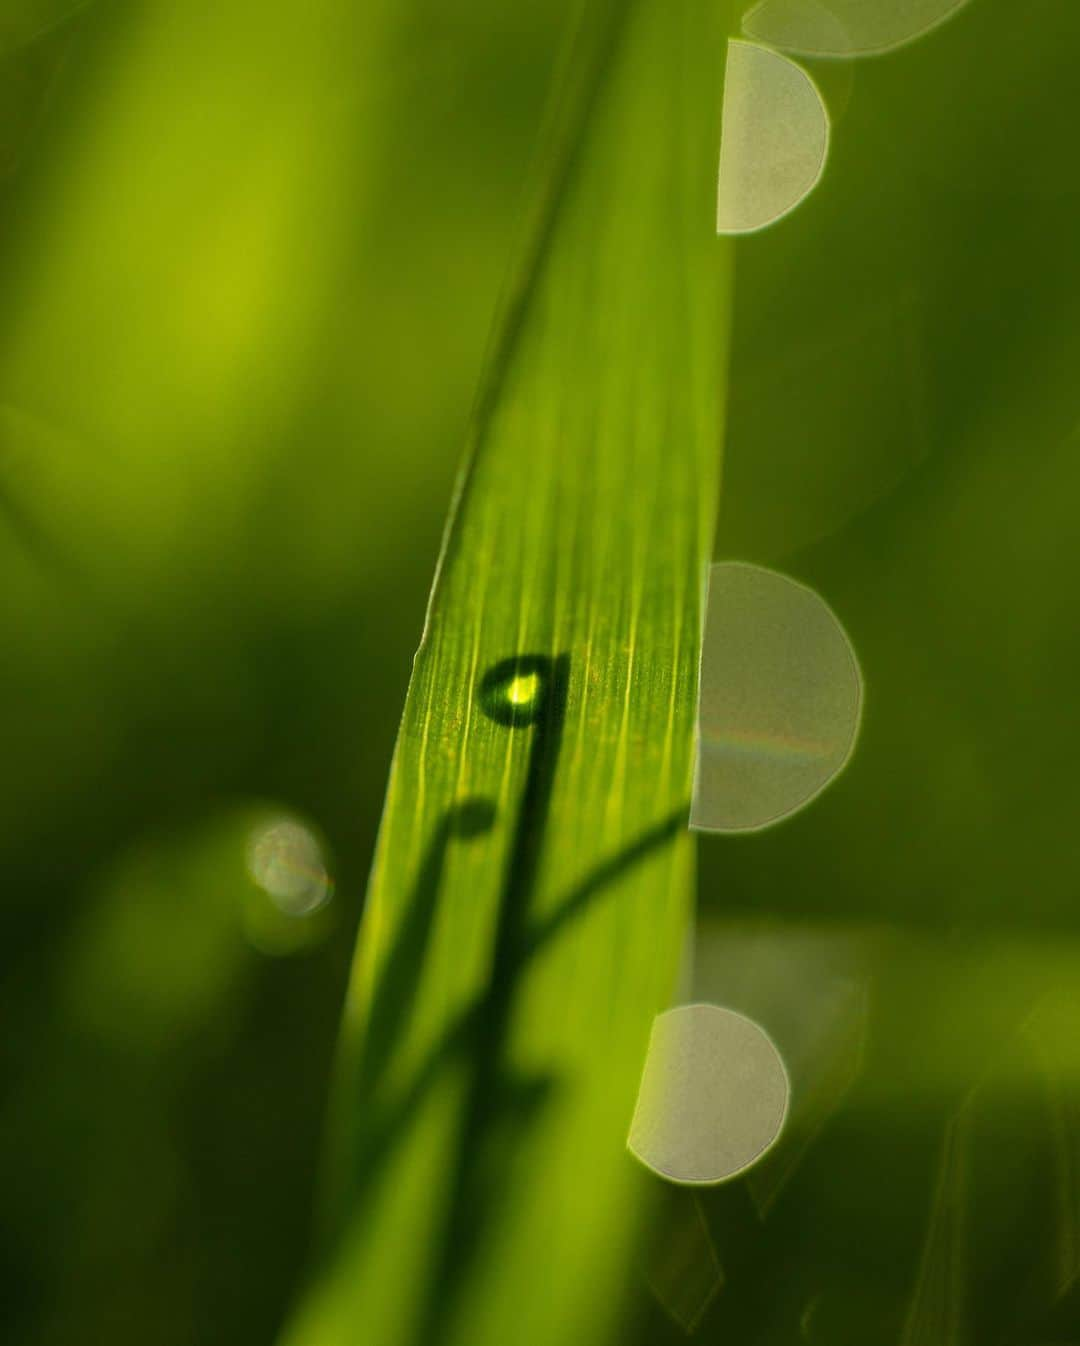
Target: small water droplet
(515, 691)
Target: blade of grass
(533, 876)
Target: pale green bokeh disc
(779, 704)
(774, 142)
(713, 1097)
(845, 28)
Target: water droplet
(839, 28)
(774, 141)
(713, 1097)
(780, 700)
(514, 691)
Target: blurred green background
(249, 256)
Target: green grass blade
(533, 875)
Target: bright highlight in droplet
(838, 28)
(286, 860)
(774, 138)
(522, 691)
(779, 703)
(713, 1096)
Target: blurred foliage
(249, 259)
(903, 437)
(249, 256)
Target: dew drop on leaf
(774, 141)
(779, 703)
(713, 1096)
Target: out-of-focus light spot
(774, 141)
(713, 1097)
(839, 28)
(286, 910)
(780, 700)
(286, 861)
